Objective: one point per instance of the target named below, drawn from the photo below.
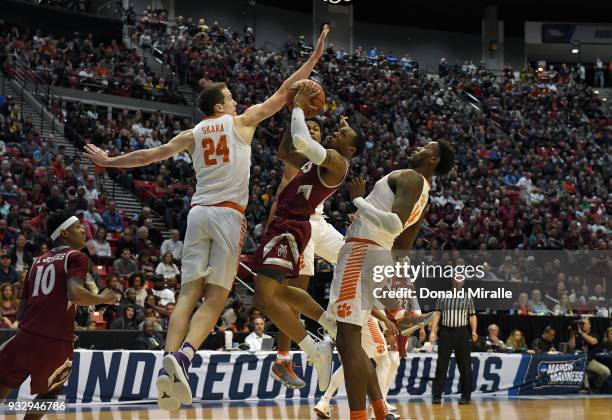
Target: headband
(69, 222)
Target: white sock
(383, 364)
(285, 357)
(392, 371)
(308, 345)
(336, 379)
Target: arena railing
(31, 83)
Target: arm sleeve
(388, 221)
(302, 141)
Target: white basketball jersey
(382, 198)
(222, 163)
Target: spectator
(145, 264)
(546, 342)
(8, 306)
(126, 242)
(583, 339)
(91, 193)
(564, 307)
(137, 284)
(155, 234)
(113, 222)
(6, 237)
(493, 340)
(100, 249)
(164, 294)
(173, 245)
(255, 339)
(152, 302)
(516, 341)
(125, 266)
(241, 325)
(166, 267)
(522, 304)
(21, 258)
(125, 321)
(536, 306)
(153, 316)
(149, 339)
(110, 311)
(56, 200)
(130, 300)
(7, 272)
(142, 241)
(165, 320)
(92, 214)
(601, 309)
(231, 314)
(607, 342)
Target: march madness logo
(559, 373)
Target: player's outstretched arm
(181, 142)
(257, 113)
(78, 294)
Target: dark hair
(210, 96)
(55, 219)
(316, 121)
(447, 158)
(133, 276)
(549, 329)
(359, 141)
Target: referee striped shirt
(455, 311)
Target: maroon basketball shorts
(46, 360)
(278, 254)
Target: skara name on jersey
(216, 128)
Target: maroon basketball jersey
(301, 196)
(49, 313)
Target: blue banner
(545, 374)
(129, 376)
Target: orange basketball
(317, 101)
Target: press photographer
(581, 338)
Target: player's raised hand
(303, 99)
(356, 187)
(343, 121)
(96, 155)
(318, 51)
(108, 297)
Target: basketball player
(54, 286)
(325, 241)
(277, 256)
(221, 154)
(387, 219)
(375, 346)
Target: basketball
(317, 102)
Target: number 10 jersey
(49, 313)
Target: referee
(455, 318)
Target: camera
(575, 325)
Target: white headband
(69, 222)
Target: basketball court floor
(484, 408)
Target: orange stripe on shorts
(352, 271)
(375, 331)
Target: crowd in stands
(72, 5)
(533, 170)
(81, 62)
